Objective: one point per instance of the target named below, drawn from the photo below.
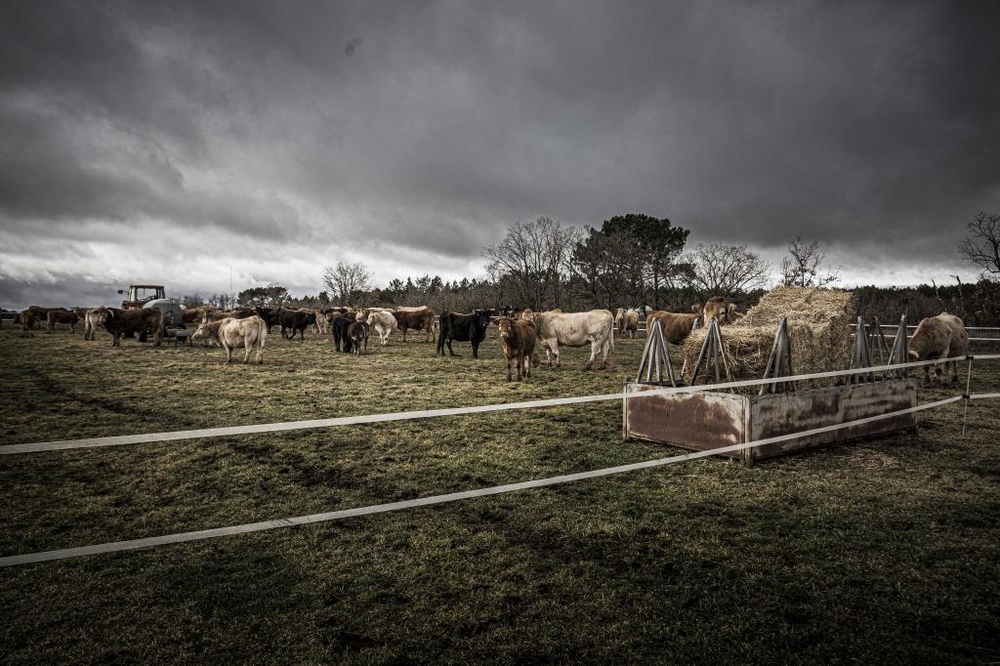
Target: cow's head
(717, 308)
(503, 325)
(202, 331)
(484, 317)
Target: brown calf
(517, 340)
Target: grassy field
(885, 551)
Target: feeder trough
(712, 419)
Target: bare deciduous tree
(802, 268)
(982, 247)
(348, 282)
(728, 269)
(531, 260)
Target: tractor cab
(140, 294)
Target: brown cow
(61, 316)
(27, 321)
(39, 314)
(119, 322)
(251, 332)
(517, 340)
(677, 326)
(943, 336)
(420, 319)
(196, 314)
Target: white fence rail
(200, 535)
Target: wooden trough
(712, 419)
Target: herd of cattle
(943, 336)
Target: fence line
(204, 433)
(202, 535)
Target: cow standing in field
(943, 336)
(293, 321)
(39, 314)
(575, 329)
(270, 316)
(627, 322)
(463, 328)
(358, 332)
(517, 340)
(120, 322)
(339, 329)
(93, 318)
(420, 319)
(384, 324)
(27, 321)
(61, 316)
(229, 333)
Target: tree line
(637, 260)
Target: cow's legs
(607, 349)
(552, 351)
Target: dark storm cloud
(382, 131)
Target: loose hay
(818, 328)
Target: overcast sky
(186, 142)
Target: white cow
(575, 329)
(251, 332)
(943, 336)
(384, 324)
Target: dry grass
(882, 552)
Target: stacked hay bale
(819, 332)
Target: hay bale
(818, 326)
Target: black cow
(295, 320)
(338, 328)
(270, 316)
(463, 328)
(121, 322)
